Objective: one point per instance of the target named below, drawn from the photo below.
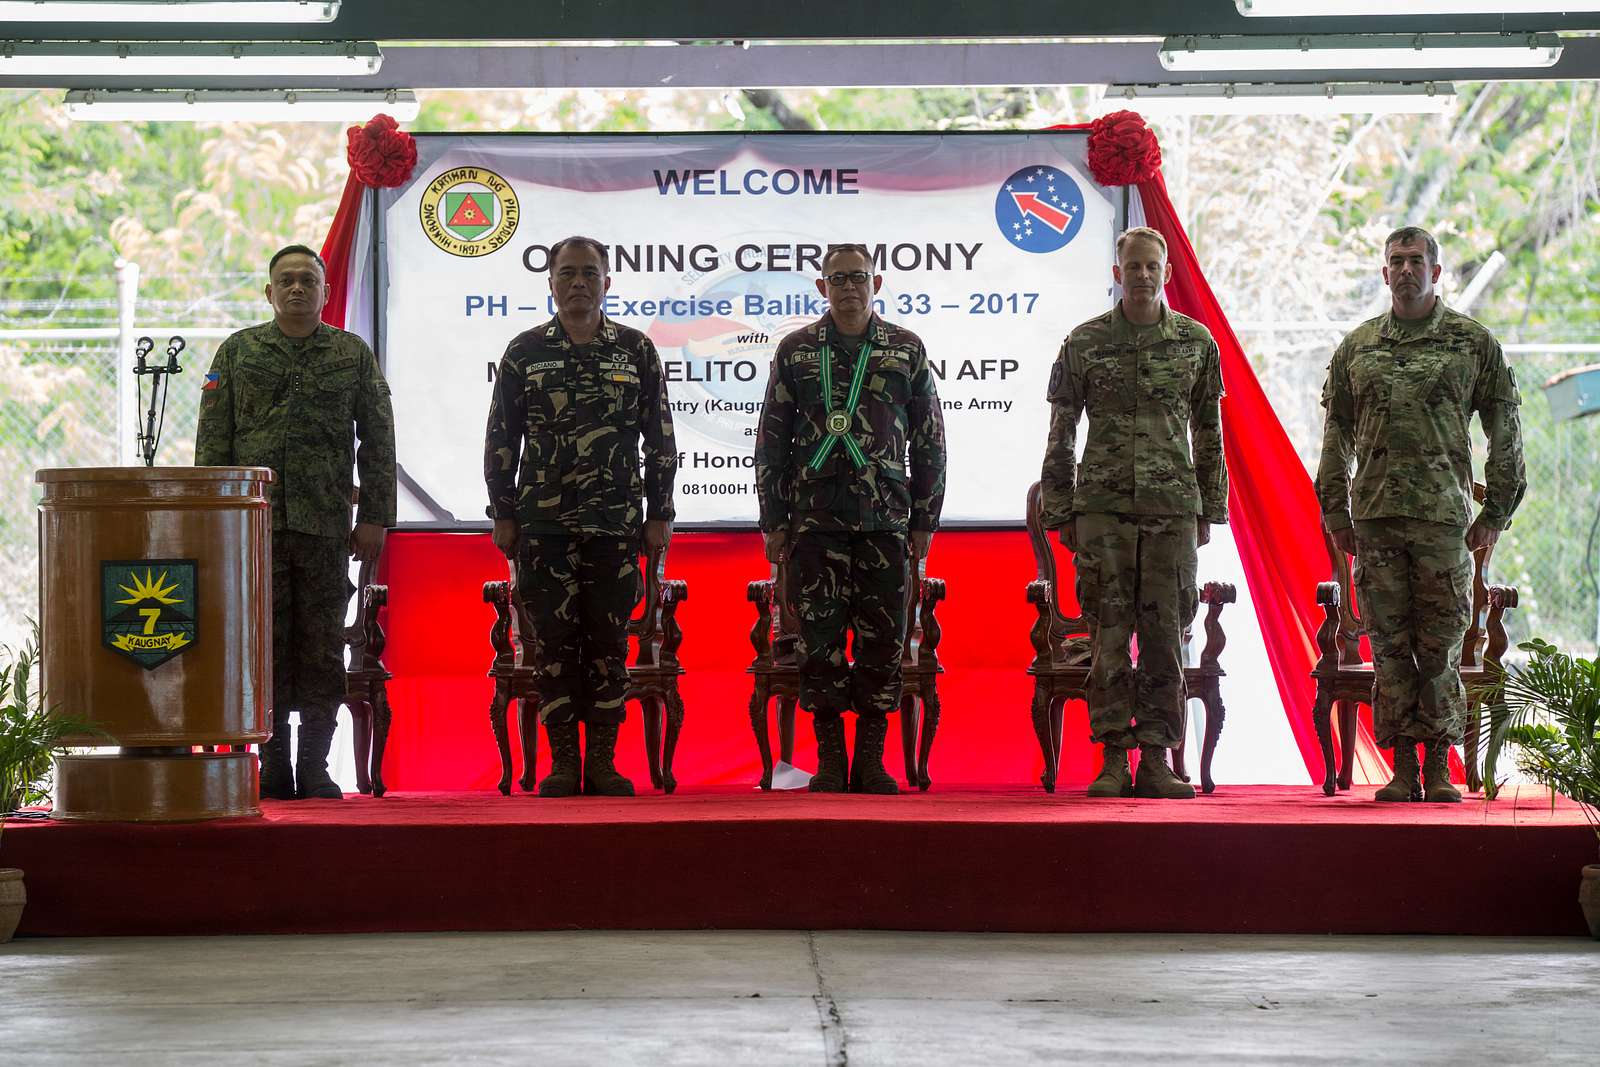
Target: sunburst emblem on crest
(146, 589)
(148, 609)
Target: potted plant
(1549, 713)
(30, 739)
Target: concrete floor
(822, 999)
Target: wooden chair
(366, 688)
(776, 670)
(1060, 666)
(653, 671)
(1344, 676)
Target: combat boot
(1403, 786)
(831, 768)
(562, 781)
(1115, 779)
(312, 781)
(600, 776)
(277, 773)
(1156, 779)
(1436, 787)
(866, 768)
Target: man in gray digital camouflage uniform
(575, 401)
(294, 394)
(1400, 395)
(1135, 509)
(850, 405)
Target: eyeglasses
(841, 278)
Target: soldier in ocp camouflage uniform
(848, 398)
(1134, 511)
(1400, 395)
(574, 401)
(286, 394)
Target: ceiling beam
(801, 66)
(558, 20)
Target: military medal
(837, 423)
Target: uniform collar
(554, 331)
(318, 338)
(826, 331)
(1394, 329)
(1166, 328)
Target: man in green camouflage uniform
(1400, 395)
(286, 394)
(1135, 509)
(848, 398)
(574, 402)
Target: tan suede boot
(1156, 779)
(1403, 786)
(562, 781)
(600, 775)
(1115, 779)
(1436, 787)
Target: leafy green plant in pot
(30, 739)
(1549, 714)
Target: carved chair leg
(674, 727)
(1179, 767)
(361, 735)
(1058, 716)
(1216, 715)
(650, 708)
(1349, 727)
(502, 739)
(786, 716)
(381, 715)
(759, 724)
(930, 729)
(528, 734)
(1469, 746)
(1322, 717)
(1041, 730)
(908, 736)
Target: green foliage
(1549, 712)
(31, 736)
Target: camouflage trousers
(1414, 592)
(854, 581)
(310, 593)
(1136, 578)
(579, 591)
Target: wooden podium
(155, 590)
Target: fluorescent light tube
(1286, 8)
(216, 105)
(1334, 98)
(169, 11)
(1365, 51)
(158, 59)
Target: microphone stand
(150, 436)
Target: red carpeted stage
(1261, 859)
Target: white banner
(992, 247)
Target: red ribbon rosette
(1122, 149)
(381, 154)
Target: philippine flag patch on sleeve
(213, 379)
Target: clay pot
(1588, 897)
(13, 897)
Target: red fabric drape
(336, 249)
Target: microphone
(141, 349)
(174, 346)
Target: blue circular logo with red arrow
(1039, 209)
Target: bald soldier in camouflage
(1400, 395)
(1151, 483)
(575, 402)
(294, 394)
(850, 398)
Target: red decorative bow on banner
(1122, 149)
(381, 154)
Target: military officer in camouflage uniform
(1400, 395)
(286, 394)
(848, 399)
(575, 402)
(1151, 483)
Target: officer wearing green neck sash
(849, 466)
